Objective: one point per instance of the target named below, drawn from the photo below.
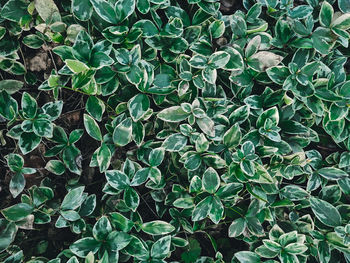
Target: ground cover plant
(174, 131)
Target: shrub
(174, 131)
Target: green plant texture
(195, 131)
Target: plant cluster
(194, 131)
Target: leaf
(325, 212)
(28, 141)
(332, 173)
(82, 9)
(76, 66)
(43, 128)
(300, 12)
(157, 227)
(117, 179)
(29, 105)
(237, 227)
(174, 143)
(161, 247)
(147, 27)
(46, 9)
(173, 114)
(342, 22)
(14, 10)
(294, 193)
(17, 184)
(83, 246)
(211, 180)
(266, 59)
(326, 14)
(218, 59)
(217, 28)
(105, 10)
(73, 199)
(156, 156)
(95, 107)
(232, 137)
(247, 257)
(33, 41)
(118, 240)
(101, 229)
(202, 209)
(92, 127)
(11, 86)
(131, 198)
(124, 8)
(122, 134)
(344, 6)
(17, 212)
(7, 234)
(138, 106)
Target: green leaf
(83, 246)
(161, 248)
(211, 180)
(138, 106)
(217, 210)
(82, 9)
(202, 209)
(173, 114)
(217, 28)
(218, 59)
(344, 6)
(156, 156)
(76, 66)
(46, 9)
(95, 107)
(175, 142)
(43, 128)
(122, 134)
(326, 14)
(29, 105)
(8, 233)
(344, 160)
(237, 227)
(11, 86)
(131, 198)
(53, 109)
(101, 229)
(342, 22)
(147, 27)
(70, 156)
(92, 127)
(136, 248)
(232, 137)
(17, 212)
(28, 141)
(118, 240)
(73, 199)
(117, 179)
(15, 10)
(247, 257)
(271, 114)
(17, 184)
(157, 227)
(325, 212)
(105, 10)
(294, 193)
(124, 8)
(300, 12)
(33, 41)
(332, 173)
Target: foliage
(175, 131)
